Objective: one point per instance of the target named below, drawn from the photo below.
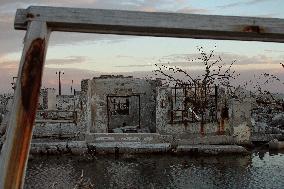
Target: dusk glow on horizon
(83, 55)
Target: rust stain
(202, 128)
(30, 15)
(252, 29)
(30, 86)
(224, 116)
(221, 128)
(31, 73)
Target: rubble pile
(4, 100)
(268, 118)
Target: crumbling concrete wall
(67, 120)
(162, 111)
(240, 119)
(84, 85)
(103, 92)
(163, 118)
(233, 119)
(4, 102)
(84, 112)
(268, 116)
(66, 102)
(7, 102)
(51, 96)
(56, 129)
(47, 99)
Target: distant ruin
(118, 104)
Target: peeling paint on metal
(30, 85)
(31, 73)
(252, 29)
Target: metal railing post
(15, 151)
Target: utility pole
(72, 87)
(59, 81)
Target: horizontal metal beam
(153, 23)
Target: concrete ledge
(211, 149)
(259, 137)
(73, 147)
(212, 140)
(276, 145)
(128, 137)
(81, 147)
(50, 121)
(130, 147)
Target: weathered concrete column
(240, 120)
(15, 150)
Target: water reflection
(258, 170)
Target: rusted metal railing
(19, 132)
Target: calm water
(258, 170)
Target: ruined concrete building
(139, 115)
(105, 104)
(122, 104)
(118, 104)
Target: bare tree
(214, 73)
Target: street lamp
(59, 81)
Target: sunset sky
(87, 55)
